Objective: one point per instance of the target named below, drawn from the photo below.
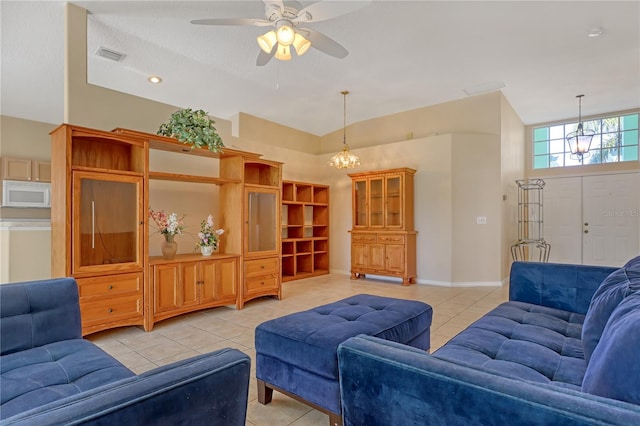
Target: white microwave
(17, 193)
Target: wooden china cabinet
(383, 239)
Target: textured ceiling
(402, 56)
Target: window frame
(549, 145)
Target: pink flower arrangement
(208, 237)
(168, 225)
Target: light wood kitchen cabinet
(26, 169)
(187, 283)
(383, 241)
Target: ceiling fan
(285, 18)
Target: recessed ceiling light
(595, 32)
(154, 79)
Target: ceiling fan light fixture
(285, 34)
(301, 44)
(266, 41)
(283, 53)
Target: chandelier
(284, 37)
(344, 159)
(580, 140)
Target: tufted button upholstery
(309, 339)
(34, 377)
(297, 353)
(523, 341)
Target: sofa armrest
(386, 383)
(206, 389)
(35, 313)
(561, 286)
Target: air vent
(110, 54)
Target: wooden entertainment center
(100, 231)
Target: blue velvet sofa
(50, 375)
(564, 350)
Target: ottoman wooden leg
(335, 420)
(265, 393)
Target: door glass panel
(108, 223)
(377, 203)
(361, 203)
(394, 211)
(262, 222)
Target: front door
(593, 220)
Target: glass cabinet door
(261, 219)
(360, 203)
(393, 201)
(108, 226)
(376, 202)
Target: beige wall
(478, 114)
(512, 153)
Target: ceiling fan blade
(323, 10)
(324, 43)
(269, 3)
(232, 21)
(264, 58)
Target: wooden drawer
(257, 267)
(260, 283)
(110, 310)
(110, 285)
(391, 239)
(363, 238)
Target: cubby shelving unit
(305, 230)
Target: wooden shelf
(164, 143)
(190, 178)
(305, 230)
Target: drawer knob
(110, 287)
(262, 266)
(110, 310)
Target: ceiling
(403, 55)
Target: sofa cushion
(614, 370)
(34, 377)
(36, 313)
(618, 285)
(523, 341)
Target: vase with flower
(169, 225)
(208, 237)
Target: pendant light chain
(344, 121)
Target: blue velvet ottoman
(297, 354)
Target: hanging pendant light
(580, 140)
(344, 159)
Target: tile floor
(208, 330)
